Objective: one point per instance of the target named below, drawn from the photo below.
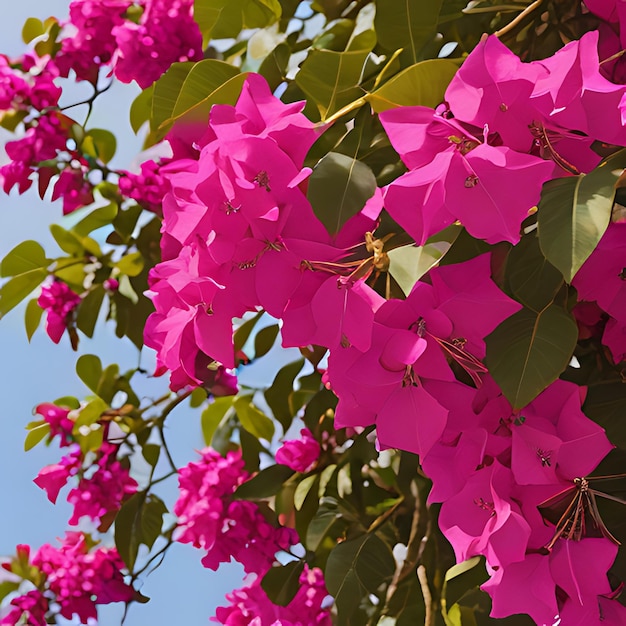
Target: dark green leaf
(213, 415)
(25, 257)
(89, 310)
(529, 350)
(533, 280)
(605, 404)
(32, 317)
(128, 529)
(356, 568)
(151, 519)
(274, 66)
(126, 220)
(252, 419)
(89, 370)
(277, 396)
(574, 212)
(326, 516)
(151, 452)
(339, 187)
(331, 79)
(264, 340)
(282, 582)
(265, 484)
(243, 332)
(408, 25)
(423, 84)
(18, 288)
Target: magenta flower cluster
(210, 518)
(59, 302)
(104, 482)
(299, 454)
(101, 33)
(75, 577)
(240, 235)
(250, 606)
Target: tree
(429, 215)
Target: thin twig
(514, 22)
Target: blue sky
(182, 591)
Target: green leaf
(151, 519)
(574, 212)
(253, 420)
(131, 264)
(89, 370)
(243, 332)
(7, 587)
(282, 582)
(188, 88)
(18, 288)
(406, 24)
(264, 340)
(302, 490)
(424, 84)
(339, 187)
(529, 350)
(277, 395)
(140, 109)
(26, 256)
(32, 29)
(73, 243)
(35, 435)
(533, 280)
(331, 79)
(32, 317)
(605, 404)
(89, 309)
(407, 264)
(274, 66)
(102, 216)
(126, 220)
(128, 529)
(213, 415)
(100, 143)
(151, 452)
(265, 484)
(324, 519)
(356, 568)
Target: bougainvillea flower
(457, 176)
(60, 303)
(580, 567)
(33, 605)
(299, 454)
(534, 577)
(483, 519)
(575, 95)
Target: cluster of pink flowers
(60, 303)
(299, 454)
(239, 235)
(104, 482)
(251, 606)
(75, 577)
(147, 188)
(210, 518)
(504, 125)
(101, 32)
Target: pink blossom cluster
(612, 37)
(147, 188)
(251, 606)
(210, 518)
(299, 454)
(75, 576)
(24, 85)
(103, 32)
(60, 303)
(104, 482)
(505, 125)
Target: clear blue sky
(182, 591)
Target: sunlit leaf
(26, 256)
(19, 287)
(213, 415)
(252, 419)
